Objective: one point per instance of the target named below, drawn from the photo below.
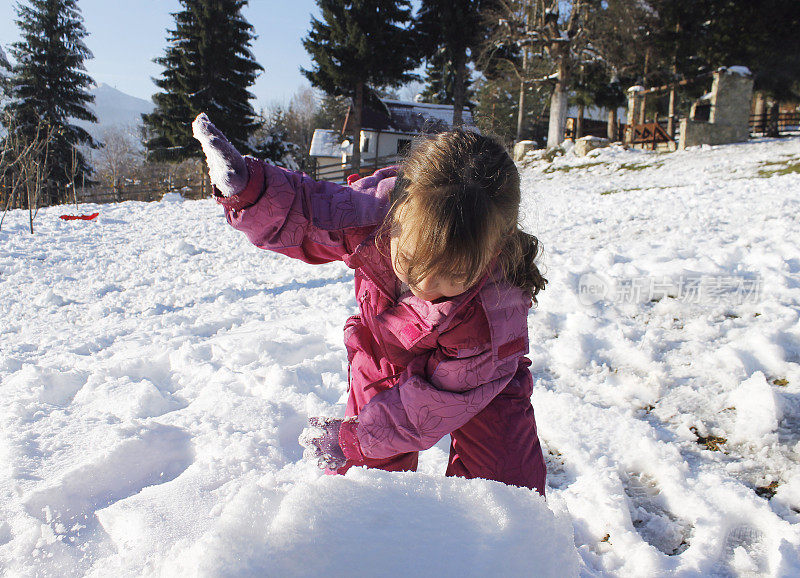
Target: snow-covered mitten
(226, 167)
(321, 441)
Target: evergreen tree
(271, 141)
(208, 67)
(5, 77)
(764, 36)
(360, 44)
(677, 31)
(50, 85)
(449, 32)
(331, 112)
(440, 78)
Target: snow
(740, 70)
(4, 64)
(325, 143)
(157, 370)
(758, 409)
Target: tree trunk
(521, 111)
(671, 120)
(558, 109)
(772, 125)
(579, 122)
(611, 129)
(643, 109)
(459, 90)
(358, 105)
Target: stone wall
(728, 122)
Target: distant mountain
(113, 107)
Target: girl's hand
(321, 441)
(226, 166)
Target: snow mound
(758, 409)
(172, 198)
(373, 523)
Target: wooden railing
(761, 124)
(649, 134)
(338, 172)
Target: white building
(385, 134)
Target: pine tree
(5, 77)
(208, 67)
(764, 36)
(449, 32)
(439, 79)
(331, 112)
(50, 84)
(359, 44)
(271, 141)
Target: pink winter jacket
(418, 370)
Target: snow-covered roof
(412, 117)
(423, 117)
(325, 143)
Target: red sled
(79, 217)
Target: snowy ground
(157, 370)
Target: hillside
(115, 108)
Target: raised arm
(287, 211)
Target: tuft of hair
(456, 202)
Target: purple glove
(321, 441)
(226, 166)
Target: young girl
(444, 280)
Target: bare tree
(118, 157)
(301, 119)
(71, 171)
(546, 36)
(24, 165)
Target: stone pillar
(728, 120)
(635, 106)
(731, 99)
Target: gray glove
(226, 166)
(321, 441)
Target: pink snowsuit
(418, 370)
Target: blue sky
(125, 36)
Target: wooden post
(671, 121)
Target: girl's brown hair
(461, 191)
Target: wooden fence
(785, 122)
(145, 193)
(338, 172)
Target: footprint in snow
(743, 553)
(559, 475)
(651, 518)
(146, 457)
